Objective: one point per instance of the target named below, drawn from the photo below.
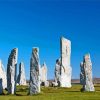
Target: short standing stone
(3, 75)
(57, 72)
(21, 80)
(82, 74)
(44, 75)
(11, 71)
(1, 86)
(66, 70)
(34, 72)
(86, 74)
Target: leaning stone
(34, 72)
(12, 71)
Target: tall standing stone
(66, 70)
(1, 86)
(86, 74)
(11, 71)
(21, 80)
(44, 75)
(35, 72)
(3, 75)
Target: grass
(54, 93)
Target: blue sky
(25, 24)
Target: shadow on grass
(97, 86)
(21, 95)
(72, 91)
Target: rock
(34, 72)
(66, 70)
(57, 73)
(12, 71)
(44, 81)
(63, 70)
(86, 74)
(21, 80)
(1, 86)
(3, 75)
(82, 74)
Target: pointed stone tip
(21, 62)
(88, 54)
(35, 48)
(44, 63)
(15, 49)
(86, 57)
(62, 37)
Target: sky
(40, 23)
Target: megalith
(34, 72)
(12, 71)
(86, 74)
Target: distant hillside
(95, 81)
(77, 81)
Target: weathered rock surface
(63, 70)
(12, 71)
(44, 81)
(3, 75)
(35, 72)
(66, 70)
(86, 74)
(21, 80)
(57, 72)
(1, 86)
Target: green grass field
(54, 93)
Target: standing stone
(82, 74)
(3, 75)
(11, 71)
(35, 72)
(66, 70)
(86, 74)
(44, 81)
(1, 86)
(57, 72)
(21, 80)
